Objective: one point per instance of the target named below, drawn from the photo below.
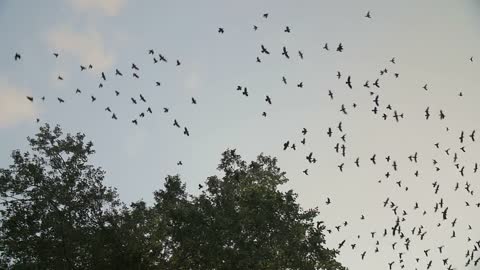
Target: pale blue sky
(432, 42)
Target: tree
(241, 221)
(53, 204)
(57, 214)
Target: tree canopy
(57, 214)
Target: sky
(432, 42)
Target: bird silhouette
(340, 48)
(17, 56)
(285, 52)
(264, 50)
(162, 58)
(268, 100)
(349, 82)
(175, 123)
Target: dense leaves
(56, 214)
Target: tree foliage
(57, 214)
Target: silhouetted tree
(56, 214)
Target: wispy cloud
(14, 106)
(87, 46)
(108, 7)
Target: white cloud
(87, 46)
(14, 106)
(108, 7)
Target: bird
(114, 117)
(149, 110)
(134, 121)
(185, 131)
(194, 101)
(30, 98)
(82, 68)
(285, 145)
(285, 52)
(175, 123)
(255, 28)
(117, 93)
(325, 47)
(60, 100)
(300, 85)
(284, 80)
(264, 50)
(265, 15)
(349, 82)
(107, 109)
(55, 54)
(142, 98)
(78, 91)
(330, 94)
(305, 171)
(425, 87)
(340, 48)
(300, 53)
(93, 98)
(162, 58)
(287, 29)
(220, 30)
(178, 63)
(17, 56)
(133, 100)
(117, 72)
(368, 15)
(179, 163)
(60, 78)
(103, 76)
(268, 100)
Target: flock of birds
(401, 235)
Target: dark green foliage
(56, 214)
